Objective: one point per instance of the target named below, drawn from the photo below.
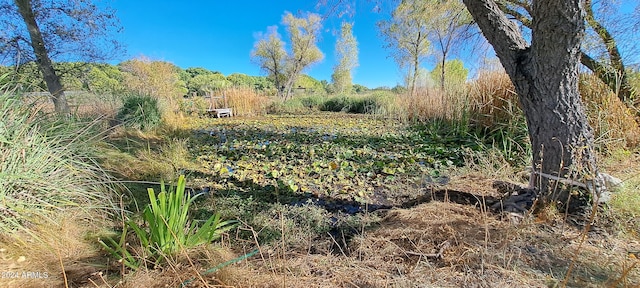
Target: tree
(269, 53)
(448, 24)
(347, 54)
(105, 79)
(283, 67)
(406, 36)
(457, 74)
(204, 84)
(545, 75)
(76, 29)
(607, 63)
(304, 33)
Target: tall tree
(604, 58)
(52, 30)
(304, 33)
(347, 54)
(545, 75)
(449, 23)
(269, 53)
(284, 67)
(406, 36)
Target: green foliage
(105, 79)
(372, 103)
(206, 83)
(47, 167)
(360, 88)
(308, 82)
(340, 103)
(166, 217)
(312, 102)
(140, 112)
(239, 79)
(455, 74)
(399, 89)
(26, 77)
(168, 228)
(347, 55)
(197, 71)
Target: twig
(444, 245)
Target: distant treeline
(99, 78)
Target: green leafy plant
(119, 250)
(141, 112)
(169, 229)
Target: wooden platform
(221, 112)
(213, 106)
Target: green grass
(47, 166)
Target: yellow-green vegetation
(327, 190)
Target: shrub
(312, 102)
(140, 112)
(340, 103)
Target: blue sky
(219, 35)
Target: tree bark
(42, 58)
(545, 75)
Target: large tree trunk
(42, 58)
(545, 75)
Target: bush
(337, 104)
(48, 166)
(312, 102)
(140, 112)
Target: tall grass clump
(339, 103)
(46, 167)
(429, 104)
(614, 123)
(296, 105)
(245, 101)
(141, 112)
(496, 116)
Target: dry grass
(63, 245)
(614, 122)
(150, 157)
(431, 104)
(480, 250)
(493, 99)
(245, 101)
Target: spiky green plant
(168, 229)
